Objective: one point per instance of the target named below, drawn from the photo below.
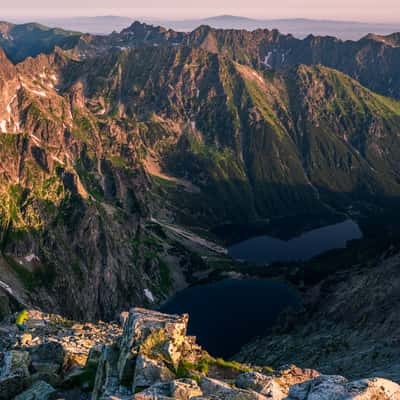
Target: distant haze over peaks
(105, 24)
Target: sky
(357, 10)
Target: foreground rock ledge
(152, 358)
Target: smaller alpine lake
(267, 249)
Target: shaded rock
(331, 387)
(15, 363)
(151, 348)
(149, 371)
(181, 389)
(47, 357)
(10, 386)
(38, 391)
(266, 385)
(324, 387)
(371, 389)
(221, 390)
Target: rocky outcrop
(160, 340)
(150, 351)
(152, 358)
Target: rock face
(338, 388)
(150, 350)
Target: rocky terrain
(350, 325)
(150, 358)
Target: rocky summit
(150, 357)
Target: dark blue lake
(266, 249)
(227, 314)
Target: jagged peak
(392, 40)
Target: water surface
(227, 314)
(266, 249)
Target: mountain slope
(24, 40)
(309, 136)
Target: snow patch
(149, 295)
(32, 257)
(267, 60)
(6, 287)
(57, 159)
(39, 92)
(36, 139)
(3, 126)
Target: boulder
(38, 391)
(47, 357)
(375, 388)
(149, 371)
(148, 353)
(221, 390)
(326, 387)
(263, 384)
(180, 389)
(10, 386)
(15, 362)
(14, 373)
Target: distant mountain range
(300, 28)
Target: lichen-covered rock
(149, 351)
(47, 357)
(14, 373)
(332, 387)
(324, 387)
(148, 371)
(180, 389)
(15, 363)
(263, 384)
(221, 390)
(38, 391)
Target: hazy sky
(361, 10)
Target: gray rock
(10, 386)
(15, 363)
(324, 387)
(221, 390)
(263, 384)
(47, 357)
(371, 389)
(38, 391)
(149, 372)
(180, 389)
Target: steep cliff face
(73, 200)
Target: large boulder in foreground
(149, 352)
